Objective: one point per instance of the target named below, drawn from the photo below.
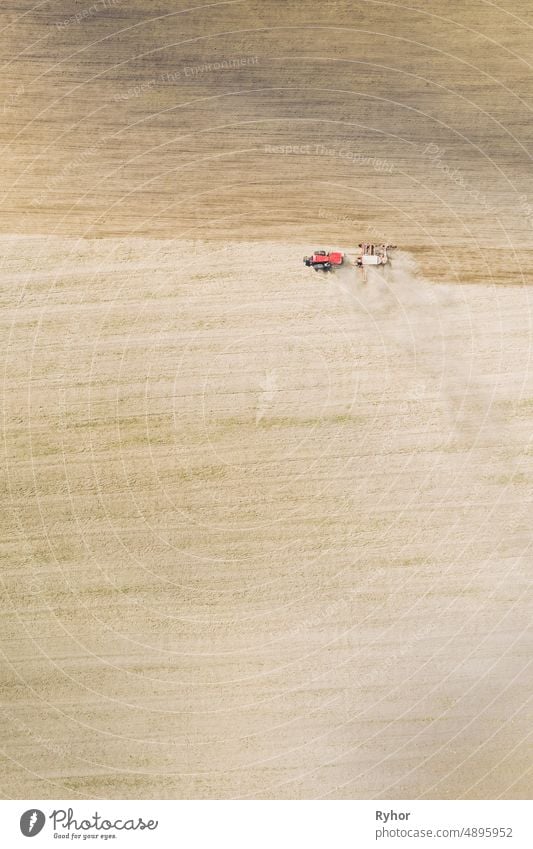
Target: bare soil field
(268, 533)
(250, 120)
(265, 533)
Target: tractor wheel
(327, 266)
(318, 267)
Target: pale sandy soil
(267, 532)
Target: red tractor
(324, 260)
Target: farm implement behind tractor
(372, 255)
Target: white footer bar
(210, 824)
